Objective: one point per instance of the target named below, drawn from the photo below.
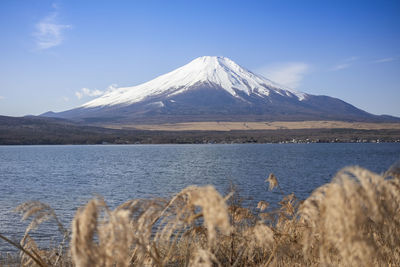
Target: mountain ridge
(213, 88)
(217, 71)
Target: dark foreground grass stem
(38, 260)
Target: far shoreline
(45, 131)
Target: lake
(67, 176)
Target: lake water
(67, 176)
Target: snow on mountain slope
(219, 71)
(211, 89)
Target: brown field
(277, 125)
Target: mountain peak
(212, 88)
(219, 72)
(209, 61)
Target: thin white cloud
(346, 63)
(79, 95)
(350, 59)
(111, 87)
(49, 32)
(386, 59)
(95, 92)
(289, 74)
(341, 66)
(65, 98)
(87, 92)
(1, 97)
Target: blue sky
(56, 55)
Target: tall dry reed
(352, 221)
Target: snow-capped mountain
(209, 89)
(216, 71)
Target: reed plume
(352, 221)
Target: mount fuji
(212, 89)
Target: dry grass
(273, 125)
(352, 221)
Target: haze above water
(67, 176)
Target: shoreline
(99, 136)
(43, 131)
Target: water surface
(67, 176)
